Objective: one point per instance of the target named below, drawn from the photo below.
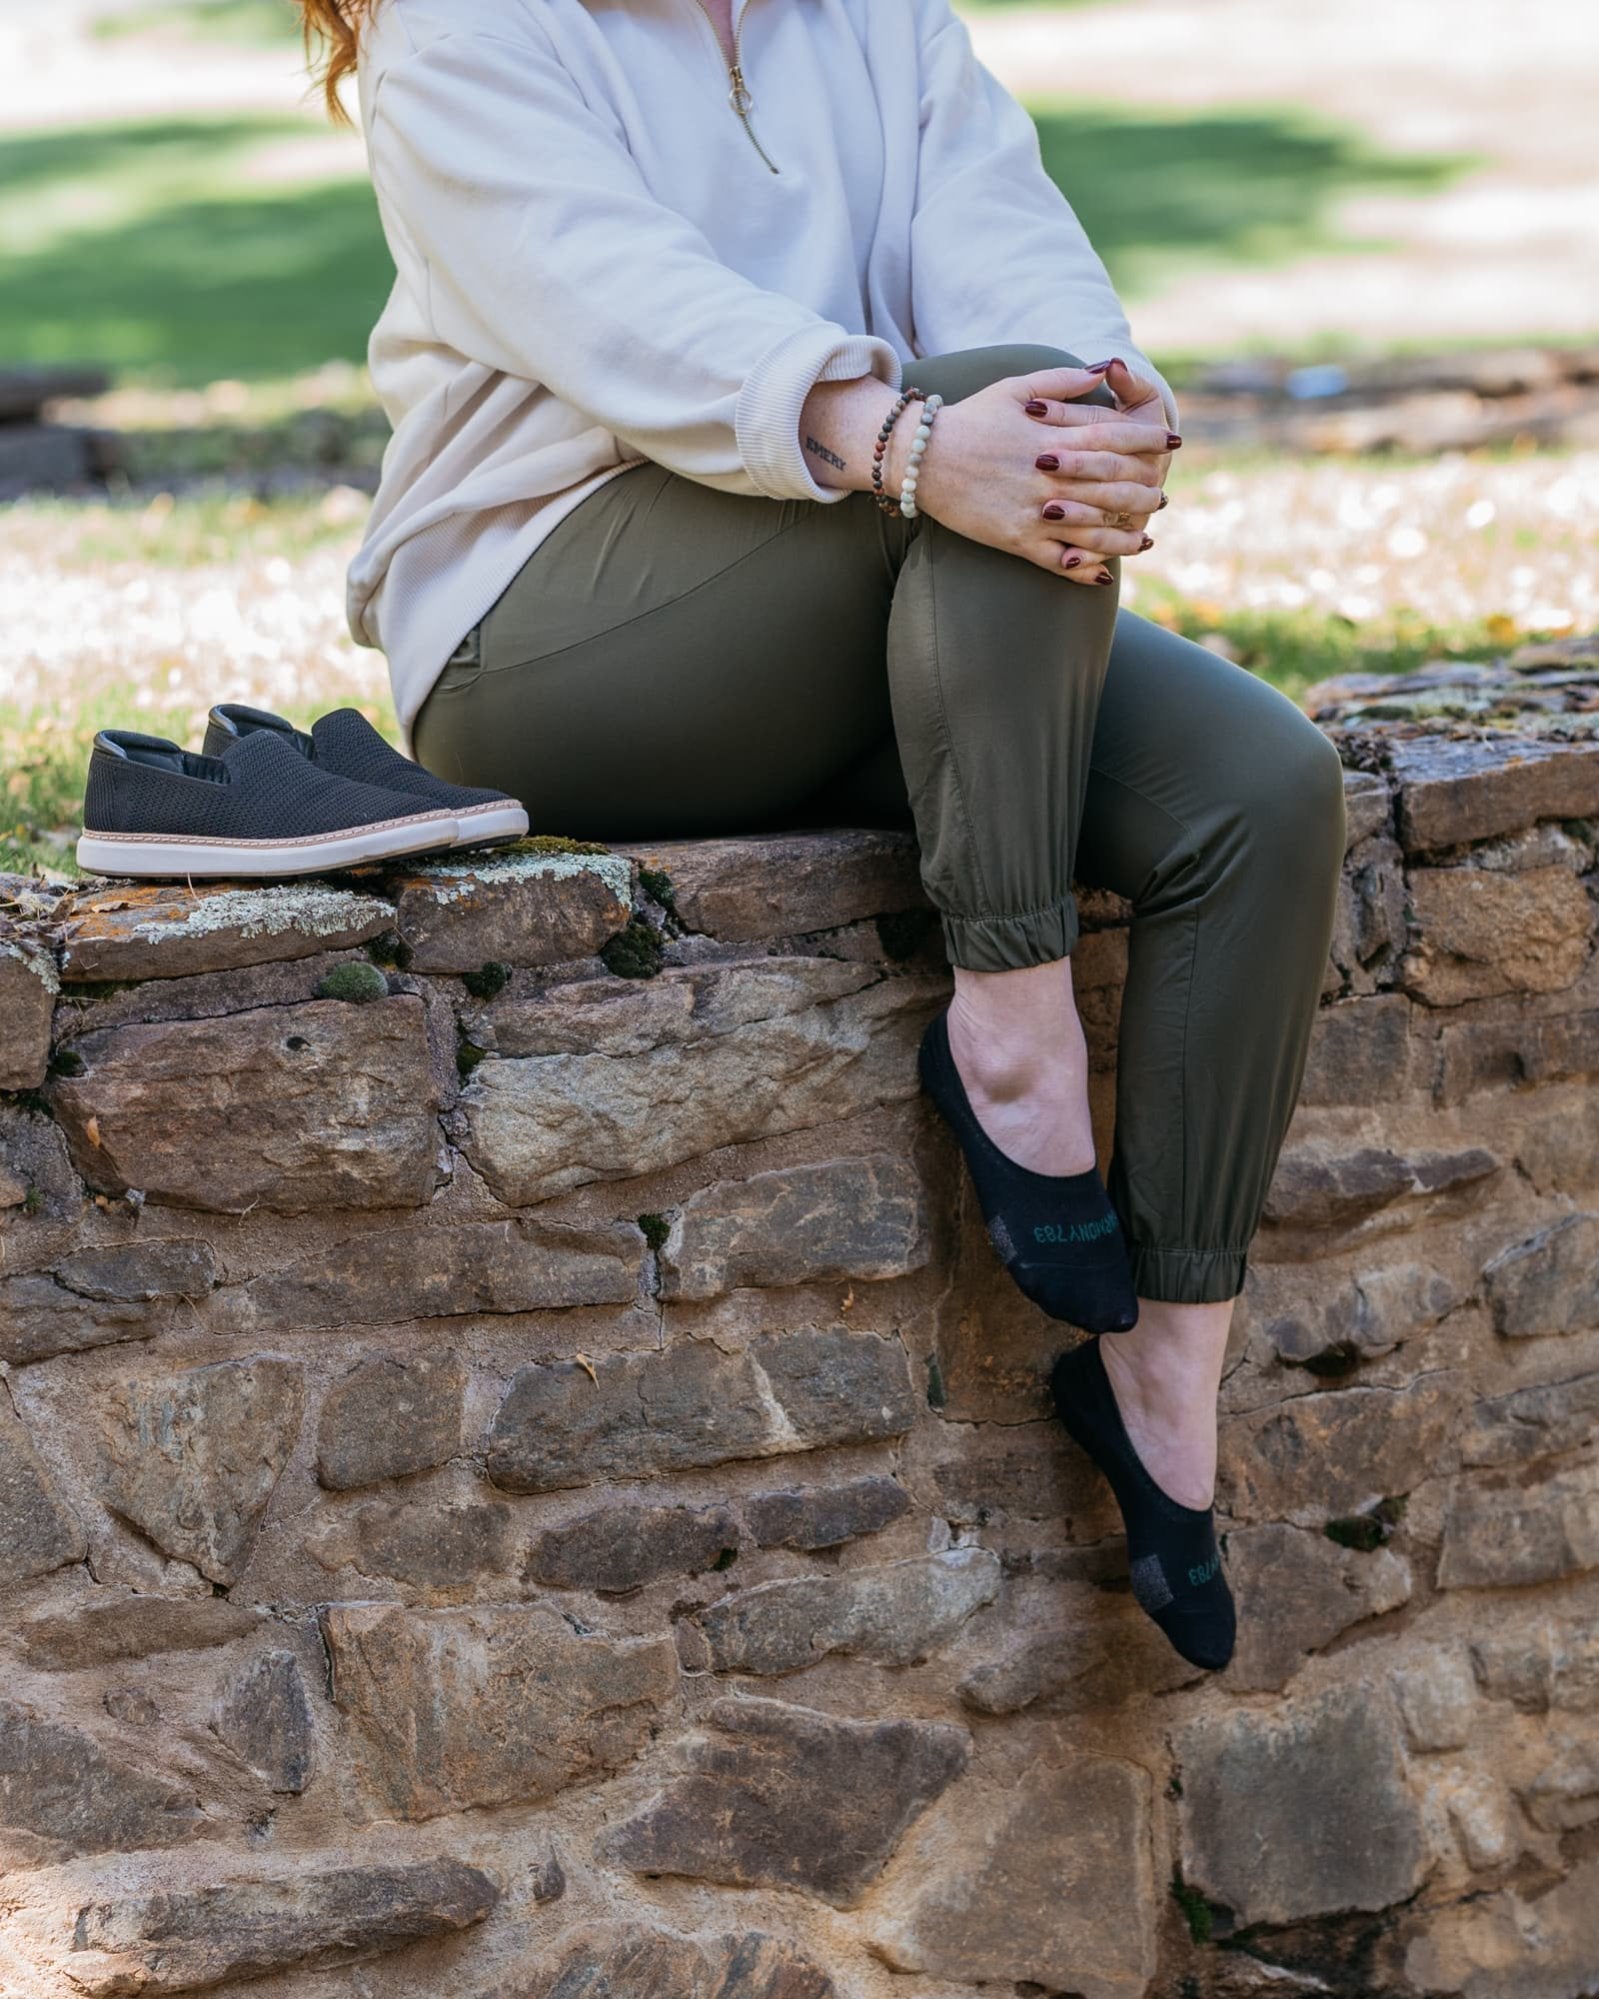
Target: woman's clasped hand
(1028, 466)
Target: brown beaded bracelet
(880, 449)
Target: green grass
(151, 250)
(1160, 190)
(254, 22)
(1295, 649)
(157, 250)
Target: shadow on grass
(228, 279)
(197, 272)
(204, 151)
(1215, 187)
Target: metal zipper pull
(738, 94)
(742, 102)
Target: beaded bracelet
(905, 505)
(931, 405)
(881, 447)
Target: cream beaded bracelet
(931, 405)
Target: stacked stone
(523, 1479)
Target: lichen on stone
(309, 907)
(37, 961)
(448, 880)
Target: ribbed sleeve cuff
(767, 417)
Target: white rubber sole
(490, 822)
(167, 856)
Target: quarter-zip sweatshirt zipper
(738, 94)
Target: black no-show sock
(1172, 1556)
(1057, 1234)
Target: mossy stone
(633, 953)
(356, 981)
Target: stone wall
(522, 1479)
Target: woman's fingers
(1062, 513)
(1132, 392)
(1077, 565)
(1082, 428)
(1106, 499)
(1052, 393)
(1109, 541)
(1104, 446)
(1059, 385)
(1100, 468)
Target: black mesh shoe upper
(261, 789)
(346, 743)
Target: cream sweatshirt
(596, 265)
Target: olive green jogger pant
(675, 661)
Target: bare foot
(1018, 1045)
(1165, 1374)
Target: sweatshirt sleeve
(547, 257)
(996, 250)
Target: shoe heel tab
(241, 720)
(126, 743)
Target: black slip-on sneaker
(153, 809)
(346, 743)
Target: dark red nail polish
(1072, 562)
(1164, 502)
(1046, 461)
(1104, 576)
(1173, 441)
(1099, 367)
(1147, 542)
(1054, 512)
(1036, 408)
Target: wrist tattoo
(821, 450)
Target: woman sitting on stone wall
(664, 548)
